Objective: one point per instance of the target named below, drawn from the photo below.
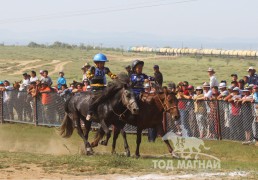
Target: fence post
(35, 109)
(1, 107)
(218, 123)
(164, 121)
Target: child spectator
(61, 80)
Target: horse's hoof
(137, 156)
(113, 152)
(127, 153)
(89, 153)
(175, 155)
(104, 143)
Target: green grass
(27, 144)
(174, 69)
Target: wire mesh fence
(202, 119)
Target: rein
(122, 114)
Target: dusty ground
(31, 171)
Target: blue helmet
(100, 57)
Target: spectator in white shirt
(8, 101)
(33, 76)
(213, 80)
(26, 80)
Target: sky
(228, 24)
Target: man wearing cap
(235, 126)
(253, 78)
(84, 69)
(61, 80)
(129, 70)
(200, 111)
(213, 80)
(247, 115)
(223, 91)
(158, 75)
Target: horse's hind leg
(79, 129)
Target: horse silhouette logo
(185, 146)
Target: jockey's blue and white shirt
(138, 82)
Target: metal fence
(202, 119)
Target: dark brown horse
(153, 107)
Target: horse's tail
(66, 129)
(66, 104)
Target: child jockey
(97, 76)
(138, 78)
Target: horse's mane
(121, 80)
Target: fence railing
(202, 119)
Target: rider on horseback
(138, 78)
(96, 75)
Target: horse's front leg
(99, 135)
(138, 142)
(170, 149)
(87, 126)
(126, 146)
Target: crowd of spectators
(230, 107)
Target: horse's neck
(116, 102)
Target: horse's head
(129, 100)
(168, 102)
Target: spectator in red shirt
(235, 121)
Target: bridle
(122, 114)
(164, 105)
